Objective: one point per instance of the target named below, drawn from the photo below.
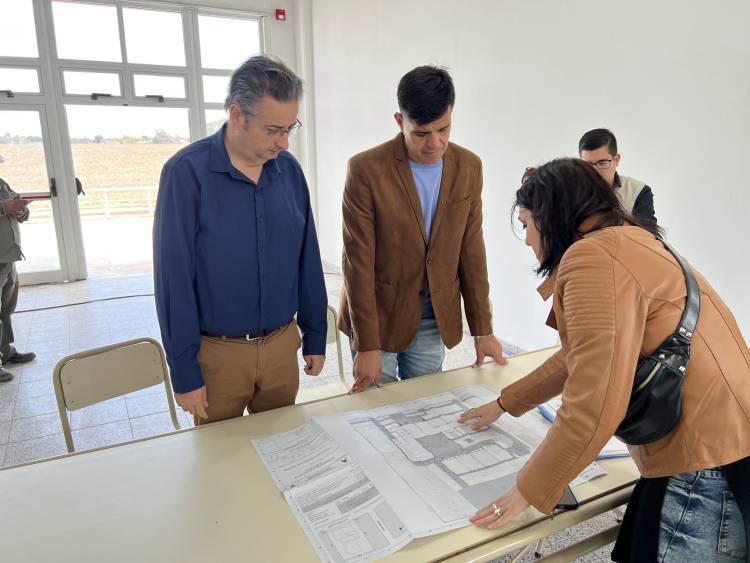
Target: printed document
(363, 484)
(343, 514)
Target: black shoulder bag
(656, 401)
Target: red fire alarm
(281, 14)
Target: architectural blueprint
(364, 483)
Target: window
(215, 118)
(17, 31)
(215, 88)
(226, 42)
(97, 40)
(131, 82)
(87, 83)
(139, 53)
(155, 85)
(24, 80)
(118, 155)
(153, 37)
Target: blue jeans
(700, 520)
(424, 355)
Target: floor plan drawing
(431, 440)
(452, 469)
(364, 483)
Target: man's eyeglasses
(602, 164)
(278, 132)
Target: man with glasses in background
(236, 256)
(598, 147)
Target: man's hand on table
(194, 402)
(488, 346)
(367, 368)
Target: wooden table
(203, 495)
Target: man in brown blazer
(413, 243)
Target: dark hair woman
(618, 293)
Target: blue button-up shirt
(232, 257)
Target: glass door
(27, 167)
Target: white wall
(670, 78)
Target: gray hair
(262, 76)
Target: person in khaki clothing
(413, 244)
(618, 293)
(13, 210)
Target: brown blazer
(388, 260)
(618, 294)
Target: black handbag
(656, 400)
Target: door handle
(52, 187)
(79, 187)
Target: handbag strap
(692, 302)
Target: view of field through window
(118, 154)
(117, 150)
(119, 173)
(120, 178)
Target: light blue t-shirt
(427, 178)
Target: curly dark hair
(560, 195)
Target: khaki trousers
(258, 375)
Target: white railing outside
(105, 203)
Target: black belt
(249, 336)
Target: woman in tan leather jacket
(617, 295)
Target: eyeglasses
(602, 164)
(279, 132)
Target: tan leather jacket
(618, 293)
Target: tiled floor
(49, 323)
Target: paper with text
(364, 483)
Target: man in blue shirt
(236, 256)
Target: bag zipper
(649, 378)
